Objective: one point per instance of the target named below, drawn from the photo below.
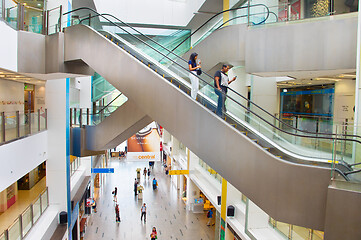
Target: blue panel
(74, 215)
(67, 122)
(102, 170)
(76, 137)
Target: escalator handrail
(101, 110)
(261, 118)
(224, 11)
(182, 59)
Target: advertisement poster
(145, 145)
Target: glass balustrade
(15, 125)
(23, 224)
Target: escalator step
(266, 148)
(255, 140)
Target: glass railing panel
(11, 14)
(34, 122)
(26, 221)
(301, 233)
(284, 228)
(10, 126)
(317, 235)
(24, 119)
(33, 20)
(14, 231)
(42, 120)
(44, 201)
(54, 21)
(36, 210)
(2, 236)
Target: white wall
(162, 12)
(56, 164)
(85, 95)
(8, 47)
(20, 157)
(344, 101)
(264, 93)
(39, 97)
(11, 91)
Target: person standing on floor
(145, 172)
(209, 216)
(117, 215)
(115, 194)
(155, 184)
(221, 82)
(148, 173)
(154, 235)
(193, 66)
(143, 210)
(135, 187)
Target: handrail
(206, 83)
(101, 110)
(244, 7)
(182, 59)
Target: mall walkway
(165, 210)
(25, 198)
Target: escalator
(271, 166)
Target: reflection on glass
(14, 230)
(26, 221)
(44, 201)
(36, 210)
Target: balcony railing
(26, 220)
(16, 125)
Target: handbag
(199, 71)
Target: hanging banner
(145, 145)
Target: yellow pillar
(226, 14)
(223, 209)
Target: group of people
(221, 82)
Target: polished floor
(25, 198)
(165, 210)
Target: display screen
(318, 102)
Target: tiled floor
(165, 210)
(25, 198)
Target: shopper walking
(135, 186)
(143, 210)
(209, 216)
(154, 235)
(221, 82)
(148, 173)
(145, 172)
(117, 215)
(115, 194)
(193, 67)
(155, 184)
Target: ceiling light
(284, 90)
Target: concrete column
(85, 92)
(264, 94)
(223, 209)
(192, 193)
(357, 130)
(57, 167)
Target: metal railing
(16, 125)
(26, 220)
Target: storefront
(81, 209)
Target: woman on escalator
(194, 67)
